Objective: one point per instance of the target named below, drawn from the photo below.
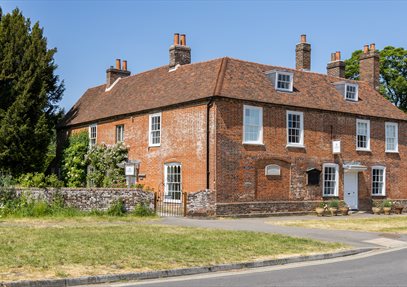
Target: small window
(119, 133)
(92, 135)
(155, 130)
(363, 135)
(313, 176)
(378, 180)
(252, 125)
(351, 93)
(295, 128)
(331, 175)
(282, 81)
(391, 137)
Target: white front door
(173, 183)
(351, 189)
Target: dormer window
(282, 81)
(348, 91)
(351, 92)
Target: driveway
(353, 238)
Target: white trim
(112, 85)
(379, 167)
(290, 89)
(150, 139)
(260, 109)
(165, 182)
(90, 134)
(367, 148)
(396, 139)
(336, 187)
(301, 143)
(356, 92)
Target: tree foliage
(103, 161)
(74, 165)
(393, 74)
(29, 94)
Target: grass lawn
(396, 224)
(70, 247)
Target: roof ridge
(220, 77)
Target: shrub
(387, 203)
(334, 203)
(103, 163)
(322, 204)
(117, 208)
(142, 209)
(39, 180)
(74, 165)
(6, 180)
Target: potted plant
(320, 209)
(343, 208)
(398, 207)
(333, 206)
(376, 207)
(387, 206)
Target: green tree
(29, 94)
(393, 74)
(74, 165)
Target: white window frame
(150, 131)
(367, 122)
(166, 182)
(119, 134)
(301, 143)
(336, 187)
(90, 135)
(356, 86)
(383, 191)
(396, 138)
(290, 89)
(260, 141)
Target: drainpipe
(208, 107)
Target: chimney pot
(366, 49)
(372, 47)
(124, 65)
(118, 64)
(183, 41)
(112, 74)
(176, 39)
(303, 38)
(338, 56)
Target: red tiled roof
(223, 77)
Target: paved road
(382, 269)
(353, 238)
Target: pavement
(353, 238)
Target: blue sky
(90, 35)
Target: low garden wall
(92, 198)
(201, 203)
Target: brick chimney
(369, 68)
(303, 54)
(336, 67)
(180, 53)
(112, 74)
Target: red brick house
(262, 138)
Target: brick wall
(183, 140)
(93, 198)
(240, 167)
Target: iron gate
(166, 205)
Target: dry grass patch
(32, 249)
(396, 224)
